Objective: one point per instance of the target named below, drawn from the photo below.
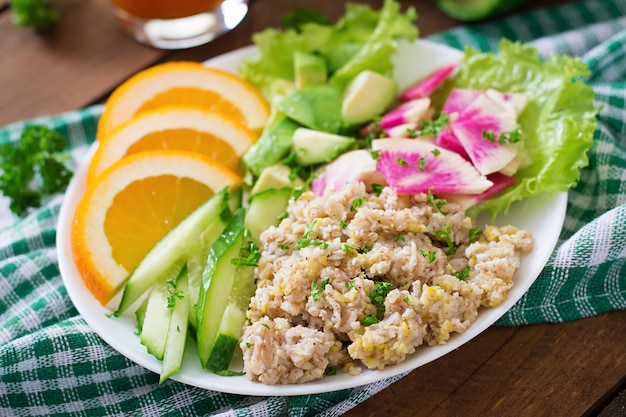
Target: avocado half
(469, 10)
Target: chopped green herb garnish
(406, 298)
(513, 136)
(421, 163)
(248, 345)
(431, 127)
(316, 290)
(369, 320)
(445, 235)
(350, 284)
(400, 238)
(436, 152)
(375, 155)
(474, 233)
(375, 132)
(343, 224)
(330, 371)
(306, 239)
(377, 189)
(172, 293)
(437, 203)
(348, 248)
(402, 162)
(378, 295)
(367, 247)
(463, 274)
(265, 325)
(357, 203)
(282, 216)
(249, 255)
(431, 255)
(283, 246)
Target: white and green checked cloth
(52, 363)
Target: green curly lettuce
(362, 39)
(558, 123)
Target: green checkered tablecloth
(52, 363)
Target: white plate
(542, 215)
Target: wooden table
(569, 369)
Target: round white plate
(543, 216)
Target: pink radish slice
(426, 86)
(413, 166)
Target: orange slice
(184, 83)
(213, 134)
(132, 205)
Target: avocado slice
(273, 145)
(275, 176)
(314, 147)
(317, 107)
(309, 69)
(368, 95)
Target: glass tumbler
(178, 24)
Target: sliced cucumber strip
(177, 331)
(156, 320)
(170, 249)
(233, 320)
(140, 314)
(217, 282)
(266, 209)
(196, 262)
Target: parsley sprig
(34, 13)
(38, 157)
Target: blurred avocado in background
(470, 10)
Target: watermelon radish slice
(512, 102)
(500, 183)
(357, 165)
(459, 100)
(446, 139)
(479, 113)
(406, 114)
(410, 112)
(426, 86)
(413, 166)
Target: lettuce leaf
(362, 39)
(558, 122)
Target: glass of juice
(178, 24)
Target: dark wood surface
(566, 369)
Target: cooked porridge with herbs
(358, 279)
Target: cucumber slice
(156, 320)
(265, 210)
(233, 320)
(196, 262)
(177, 330)
(140, 314)
(469, 10)
(170, 249)
(217, 282)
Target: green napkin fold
(52, 363)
